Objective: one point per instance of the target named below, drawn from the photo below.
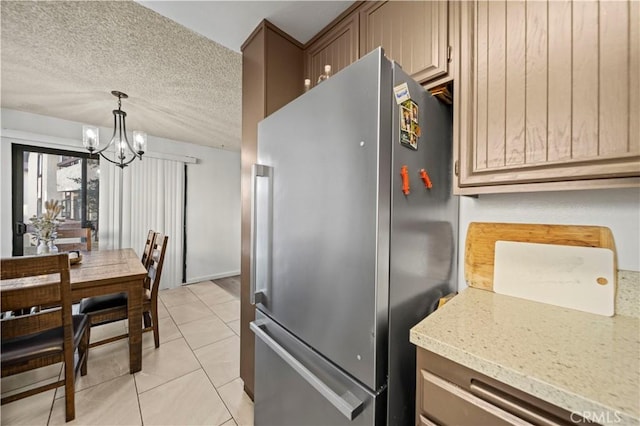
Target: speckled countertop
(578, 361)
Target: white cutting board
(574, 277)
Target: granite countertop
(578, 361)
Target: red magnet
(404, 174)
(425, 178)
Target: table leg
(134, 308)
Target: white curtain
(153, 198)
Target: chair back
(148, 246)
(73, 239)
(49, 286)
(154, 271)
(34, 340)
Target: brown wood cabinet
(337, 47)
(416, 34)
(272, 76)
(448, 393)
(413, 33)
(548, 94)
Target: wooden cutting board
(482, 236)
(581, 278)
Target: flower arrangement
(46, 225)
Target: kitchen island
(580, 362)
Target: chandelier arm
(119, 164)
(112, 138)
(129, 161)
(126, 139)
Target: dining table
(103, 272)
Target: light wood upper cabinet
(337, 47)
(548, 92)
(413, 33)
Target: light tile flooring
(192, 379)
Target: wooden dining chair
(47, 337)
(148, 246)
(80, 239)
(113, 307)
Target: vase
(43, 247)
(53, 249)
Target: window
(41, 174)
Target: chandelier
(124, 152)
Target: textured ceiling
(63, 58)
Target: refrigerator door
(321, 223)
(295, 386)
(423, 238)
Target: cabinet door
(338, 47)
(412, 33)
(549, 92)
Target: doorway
(41, 174)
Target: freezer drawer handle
(347, 404)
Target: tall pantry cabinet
(272, 67)
(548, 95)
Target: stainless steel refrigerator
(344, 263)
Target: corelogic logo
(602, 417)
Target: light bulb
(121, 145)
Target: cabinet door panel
(338, 47)
(413, 33)
(536, 84)
(585, 79)
(515, 84)
(482, 72)
(559, 101)
(614, 78)
(548, 92)
(496, 70)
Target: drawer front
(423, 421)
(455, 378)
(295, 386)
(444, 403)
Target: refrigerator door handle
(257, 170)
(348, 404)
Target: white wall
(617, 209)
(213, 193)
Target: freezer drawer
(296, 386)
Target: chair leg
(84, 351)
(154, 318)
(147, 319)
(69, 389)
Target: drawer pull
(516, 407)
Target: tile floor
(192, 379)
